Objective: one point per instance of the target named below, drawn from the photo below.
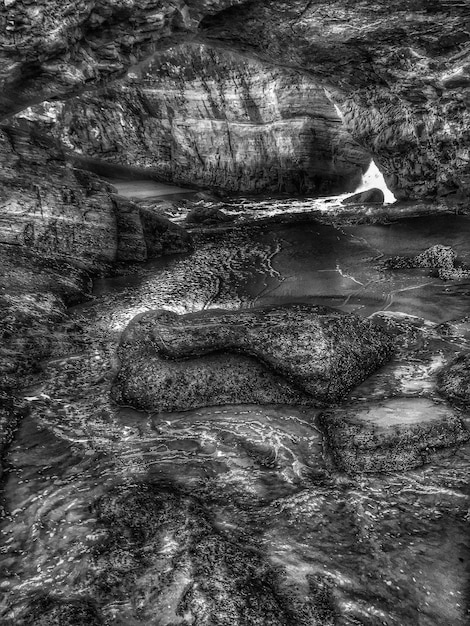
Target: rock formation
(453, 381)
(231, 580)
(438, 257)
(400, 78)
(393, 435)
(51, 48)
(171, 362)
(371, 196)
(211, 117)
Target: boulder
(371, 196)
(294, 353)
(453, 380)
(203, 215)
(394, 434)
(437, 257)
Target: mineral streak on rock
(320, 352)
(396, 434)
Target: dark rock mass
(229, 579)
(196, 115)
(55, 611)
(393, 435)
(166, 361)
(371, 196)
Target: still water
(391, 549)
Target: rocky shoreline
(73, 402)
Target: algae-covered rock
(297, 353)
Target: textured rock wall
(401, 76)
(50, 47)
(58, 226)
(197, 115)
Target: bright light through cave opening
(374, 178)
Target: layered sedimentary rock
(393, 435)
(58, 226)
(295, 352)
(198, 115)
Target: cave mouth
(373, 178)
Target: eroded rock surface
(59, 226)
(401, 79)
(319, 351)
(214, 576)
(52, 47)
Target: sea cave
(235, 304)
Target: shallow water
(394, 548)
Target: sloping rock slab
(271, 354)
(396, 434)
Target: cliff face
(197, 115)
(401, 78)
(58, 226)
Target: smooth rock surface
(397, 434)
(371, 196)
(319, 351)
